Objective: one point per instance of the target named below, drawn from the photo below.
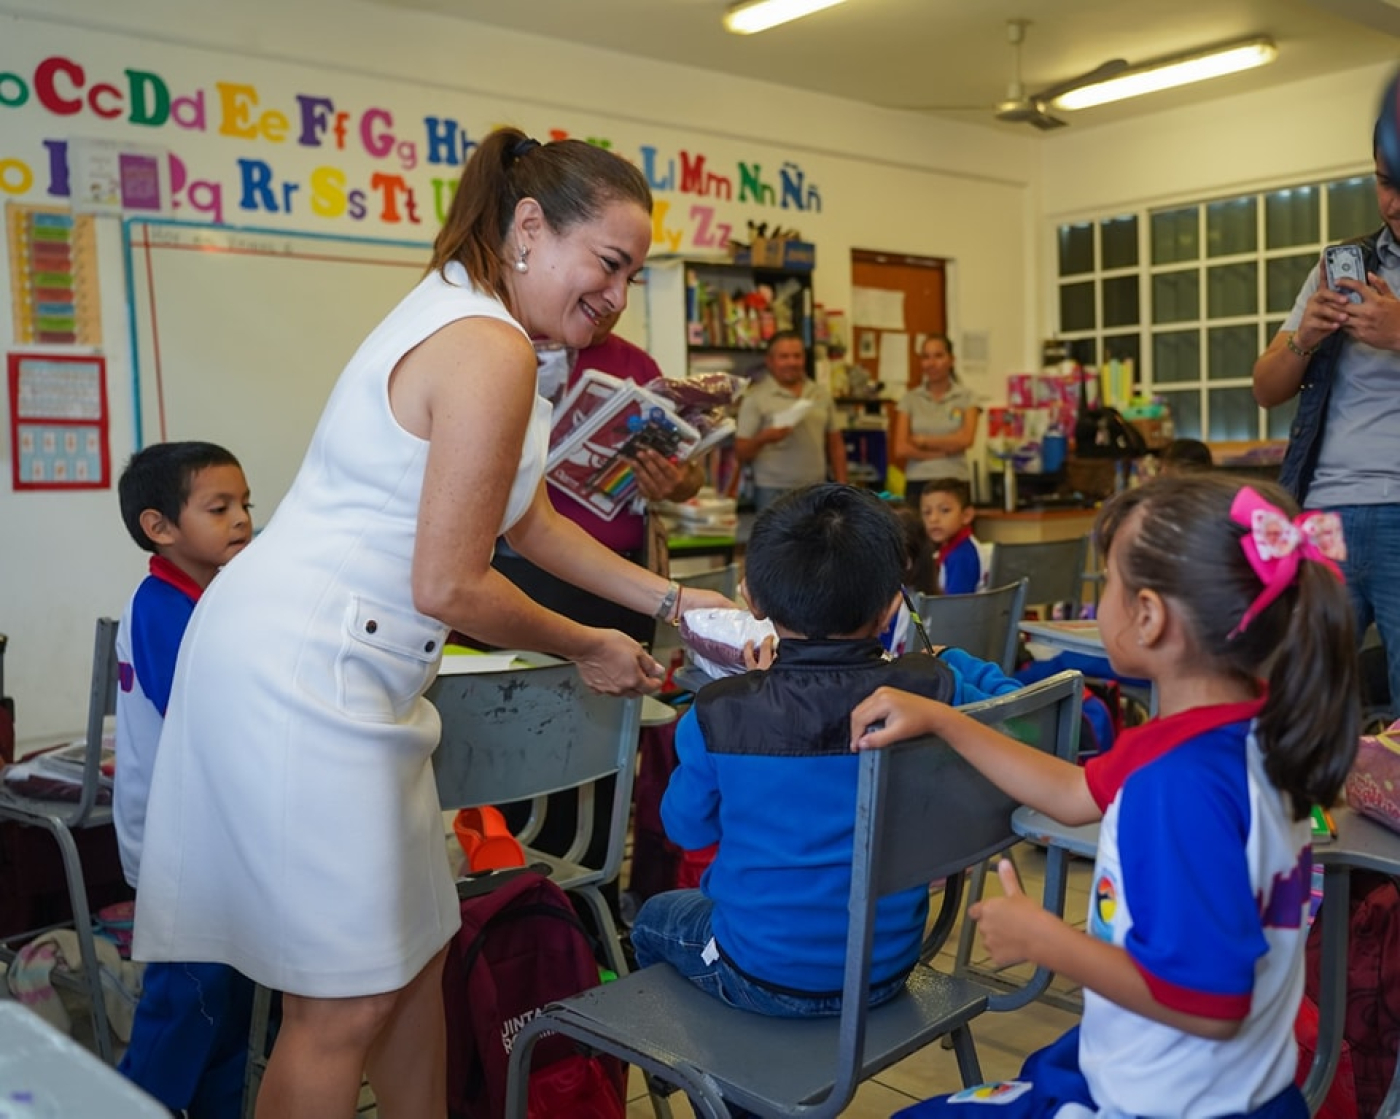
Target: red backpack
(520, 947)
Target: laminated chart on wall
(58, 422)
(53, 275)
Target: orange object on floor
(485, 839)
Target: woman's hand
(697, 598)
(618, 665)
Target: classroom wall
(885, 180)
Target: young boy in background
(187, 504)
(766, 771)
(962, 563)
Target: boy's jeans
(675, 928)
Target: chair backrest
(1054, 568)
(526, 732)
(983, 624)
(922, 813)
(102, 702)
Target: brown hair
(1175, 536)
(571, 180)
(956, 488)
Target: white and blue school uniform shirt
(148, 641)
(1202, 875)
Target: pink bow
(1275, 546)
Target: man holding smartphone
(1339, 353)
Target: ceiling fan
(1033, 108)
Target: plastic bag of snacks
(1373, 785)
(716, 637)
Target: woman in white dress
(293, 829)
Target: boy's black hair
(954, 487)
(825, 560)
(159, 477)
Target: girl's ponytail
(1311, 720)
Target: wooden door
(921, 280)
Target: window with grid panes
(1193, 293)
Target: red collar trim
(162, 569)
(952, 542)
(1143, 745)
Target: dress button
(371, 626)
(430, 646)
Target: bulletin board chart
(59, 424)
(53, 275)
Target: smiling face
(575, 280)
(944, 516)
(215, 523)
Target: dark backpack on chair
(521, 946)
(1103, 432)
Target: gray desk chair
(921, 813)
(1054, 569)
(60, 818)
(524, 733)
(983, 624)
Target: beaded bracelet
(1294, 348)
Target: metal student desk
(1360, 845)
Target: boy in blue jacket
(766, 772)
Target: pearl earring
(521, 265)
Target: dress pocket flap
(395, 631)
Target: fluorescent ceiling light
(759, 15)
(1178, 70)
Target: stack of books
(57, 773)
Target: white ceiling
(908, 53)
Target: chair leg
(968, 932)
(607, 929)
(87, 946)
(968, 1067)
(257, 1049)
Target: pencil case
(1373, 785)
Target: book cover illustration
(593, 464)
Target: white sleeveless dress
(293, 829)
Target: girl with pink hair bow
(1231, 602)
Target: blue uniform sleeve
(690, 808)
(1196, 933)
(159, 616)
(962, 570)
(975, 679)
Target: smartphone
(1344, 262)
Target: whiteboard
(237, 335)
